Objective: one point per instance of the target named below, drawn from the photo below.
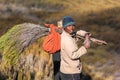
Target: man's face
(70, 29)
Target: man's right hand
(87, 41)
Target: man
(71, 66)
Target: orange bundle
(51, 43)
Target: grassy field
(100, 17)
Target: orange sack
(51, 43)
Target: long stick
(100, 42)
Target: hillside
(100, 17)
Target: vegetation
(23, 57)
(100, 17)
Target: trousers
(56, 62)
(70, 76)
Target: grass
(100, 17)
(8, 49)
(96, 63)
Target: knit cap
(67, 20)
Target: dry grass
(99, 64)
(100, 17)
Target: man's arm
(72, 50)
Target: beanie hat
(67, 20)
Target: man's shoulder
(65, 36)
(66, 39)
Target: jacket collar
(67, 34)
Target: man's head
(68, 24)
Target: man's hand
(82, 33)
(87, 41)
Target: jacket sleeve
(72, 50)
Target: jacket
(70, 55)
